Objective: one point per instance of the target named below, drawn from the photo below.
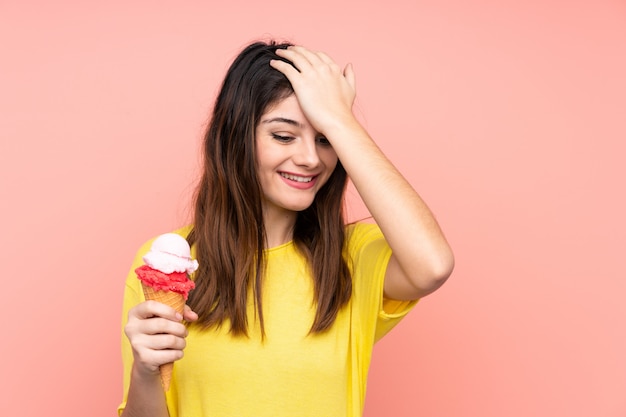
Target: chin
(300, 206)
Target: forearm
(145, 396)
(409, 226)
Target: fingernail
(179, 317)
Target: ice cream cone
(177, 302)
(165, 278)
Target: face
(294, 161)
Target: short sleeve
(369, 256)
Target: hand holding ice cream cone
(165, 279)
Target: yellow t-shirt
(290, 373)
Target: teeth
(296, 178)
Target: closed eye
(323, 141)
(284, 139)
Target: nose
(306, 154)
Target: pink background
(508, 117)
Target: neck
(279, 227)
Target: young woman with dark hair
(289, 300)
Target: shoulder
(366, 248)
(359, 235)
(183, 231)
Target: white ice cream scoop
(170, 253)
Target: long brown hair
(228, 231)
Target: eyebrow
(283, 120)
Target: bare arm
(422, 259)
(145, 396)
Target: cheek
(329, 156)
(263, 154)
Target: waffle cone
(177, 302)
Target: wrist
(145, 374)
(343, 127)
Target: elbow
(444, 266)
(443, 272)
(419, 278)
(437, 273)
(439, 276)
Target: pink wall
(508, 117)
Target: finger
(153, 358)
(189, 315)
(155, 350)
(152, 308)
(316, 57)
(350, 76)
(139, 332)
(297, 57)
(161, 357)
(286, 68)
(329, 62)
(158, 325)
(164, 342)
(326, 59)
(312, 57)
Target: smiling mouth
(296, 178)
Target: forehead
(286, 108)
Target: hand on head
(325, 91)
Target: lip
(298, 184)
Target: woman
(288, 301)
